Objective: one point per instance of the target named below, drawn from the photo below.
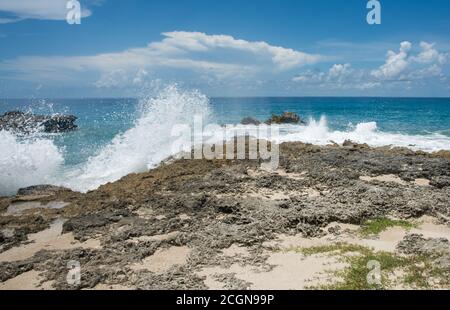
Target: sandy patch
(312, 193)
(50, 239)
(294, 176)
(236, 250)
(386, 241)
(422, 182)
(292, 271)
(16, 208)
(163, 237)
(272, 195)
(164, 259)
(389, 178)
(146, 213)
(184, 217)
(112, 287)
(30, 280)
(8, 232)
(280, 172)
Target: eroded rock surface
(198, 209)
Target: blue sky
(225, 48)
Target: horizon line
(236, 97)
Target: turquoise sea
(123, 135)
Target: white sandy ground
(30, 280)
(291, 270)
(390, 178)
(295, 271)
(164, 259)
(50, 239)
(17, 208)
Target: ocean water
(120, 136)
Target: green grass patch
(336, 248)
(416, 270)
(378, 225)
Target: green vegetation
(337, 248)
(376, 226)
(412, 271)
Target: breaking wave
(26, 161)
(146, 144)
(318, 132)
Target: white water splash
(27, 161)
(146, 144)
(318, 132)
(34, 160)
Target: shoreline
(195, 224)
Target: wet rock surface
(285, 118)
(209, 206)
(250, 121)
(22, 122)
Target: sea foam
(26, 161)
(146, 144)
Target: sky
(233, 48)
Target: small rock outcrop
(250, 121)
(27, 122)
(41, 190)
(285, 118)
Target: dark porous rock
(349, 144)
(250, 121)
(60, 123)
(418, 245)
(22, 122)
(440, 182)
(206, 206)
(41, 190)
(285, 118)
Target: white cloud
(339, 76)
(283, 58)
(396, 63)
(192, 51)
(399, 67)
(430, 55)
(37, 9)
(340, 72)
(403, 66)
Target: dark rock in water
(250, 121)
(27, 122)
(285, 118)
(60, 123)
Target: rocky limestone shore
(315, 223)
(22, 122)
(285, 118)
